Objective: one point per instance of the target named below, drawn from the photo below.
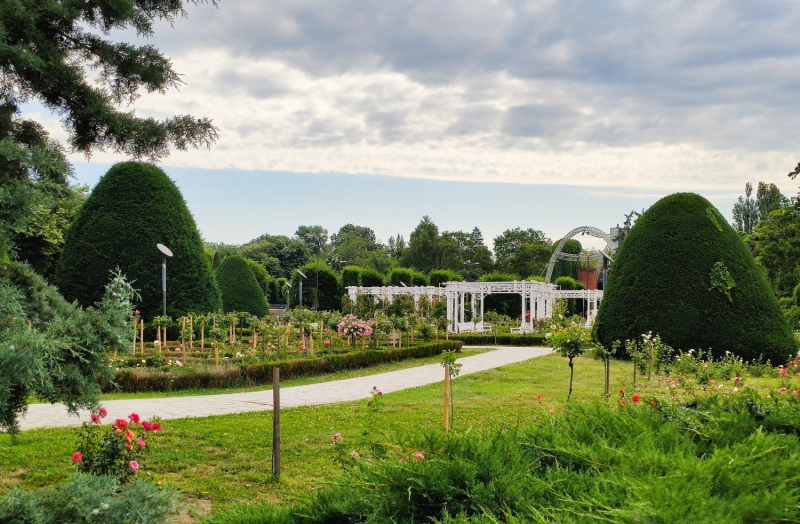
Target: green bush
(262, 277)
(419, 279)
(330, 298)
(351, 276)
(252, 375)
(442, 276)
(568, 283)
(510, 305)
(134, 207)
(401, 274)
(240, 289)
(371, 278)
(685, 274)
(718, 460)
(566, 268)
(90, 499)
(475, 339)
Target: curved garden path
(55, 415)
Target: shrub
(255, 374)
(566, 268)
(685, 274)
(240, 289)
(262, 277)
(475, 339)
(442, 276)
(90, 499)
(401, 274)
(351, 276)
(371, 278)
(510, 305)
(418, 279)
(134, 207)
(329, 297)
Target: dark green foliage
(255, 374)
(474, 339)
(371, 278)
(134, 207)
(568, 283)
(714, 460)
(263, 278)
(49, 46)
(278, 292)
(90, 499)
(776, 245)
(351, 276)
(418, 279)
(662, 282)
(442, 276)
(240, 288)
(330, 297)
(510, 305)
(279, 255)
(59, 357)
(565, 268)
(400, 276)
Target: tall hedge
(263, 278)
(685, 274)
(351, 276)
(371, 278)
(134, 207)
(330, 297)
(441, 276)
(240, 288)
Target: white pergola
(537, 298)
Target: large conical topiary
(685, 274)
(240, 288)
(134, 207)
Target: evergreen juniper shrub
(683, 273)
(371, 278)
(134, 207)
(241, 291)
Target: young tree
(424, 250)
(745, 211)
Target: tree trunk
(571, 372)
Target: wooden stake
(216, 352)
(447, 333)
(135, 326)
(141, 336)
(311, 343)
(191, 332)
(183, 340)
(203, 335)
(276, 422)
(447, 398)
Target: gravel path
(55, 415)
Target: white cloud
(683, 95)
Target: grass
(226, 459)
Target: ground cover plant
(229, 458)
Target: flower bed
(130, 381)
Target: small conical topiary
(685, 274)
(240, 288)
(134, 207)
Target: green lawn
(226, 459)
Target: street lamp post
(319, 239)
(302, 276)
(165, 252)
(288, 296)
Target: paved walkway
(55, 415)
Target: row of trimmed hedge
(130, 381)
(474, 339)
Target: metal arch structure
(611, 246)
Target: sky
(500, 114)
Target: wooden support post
(216, 352)
(183, 340)
(202, 335)
(233, 331)
(311, 343)
(141, 336)
(135, 329)
(276, 422)
(447, 398)
(191, 332)
(447, 332)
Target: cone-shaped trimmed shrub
(134, 207)
(240, 288)
(685, 274)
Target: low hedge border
(473, 339)
(130, 381)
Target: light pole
(319, 239)
(302, 276)
(165, 252)
(288, 296)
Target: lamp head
(164, 250)
(301, 273)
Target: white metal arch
(589, 230)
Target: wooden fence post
(203, 335)
(276, 422)
(141, 336)
(447, 398)
(135, 326)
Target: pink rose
(141, 443)
(95, 418)
(103, 412)
(134, 418)
(134, 465)
(419, 456)
(77, 457)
